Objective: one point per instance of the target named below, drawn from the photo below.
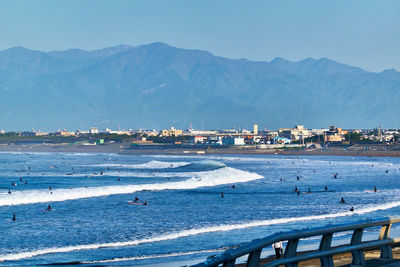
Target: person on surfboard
(48, 208)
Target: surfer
(26, 182)
(281, 179)
(277, 246)
(375, 190)
(136, 199)
(298, 192)
(351, 209)
(50, 188)
(48, 208)
(118, 179)
(145, 203)
(101, 172)
(233, 186)
(20, 179)
(222, 194)
(13, 218)
(309, 190)
(326, 188)
(295, 189)
(298, 178)
(12, 184)
(342, 201)
(387, 171)
(9, 191)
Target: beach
(126, 148)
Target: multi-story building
(171, 132)
(334, 135)
(296, 133)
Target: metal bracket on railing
(254, 258)
(291, 251)
(326, 245)
(386, 250)
(358, 255)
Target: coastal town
(298, 137)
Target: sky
(360, 33)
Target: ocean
(197, 206)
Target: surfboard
(137, 203)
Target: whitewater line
(158, 256)
(195, 231)
(225, 175)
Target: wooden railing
(291, 257)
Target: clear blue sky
(361, 33)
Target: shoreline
(124, 148)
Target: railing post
(358, 255)
(326, 245)
(254, 258)
(291, 251)
(229, 263)
(386, 250)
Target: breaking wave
(216, 177)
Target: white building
(93, 130)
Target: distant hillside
(157, 86)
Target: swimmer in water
(351, 209)
(342, 201)
(298, 178)
(9, 191)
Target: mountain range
(158, 86)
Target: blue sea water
(186, 218)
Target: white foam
(154, 164)
(195, 231)
(158, 256)
(220, 176)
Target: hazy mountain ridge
(156, 86)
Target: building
(334, 135)
(171, 132)
(64, 133)
(255, 129)
(236, 141)
(296, 133)
(94, 130)
(196, 139)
